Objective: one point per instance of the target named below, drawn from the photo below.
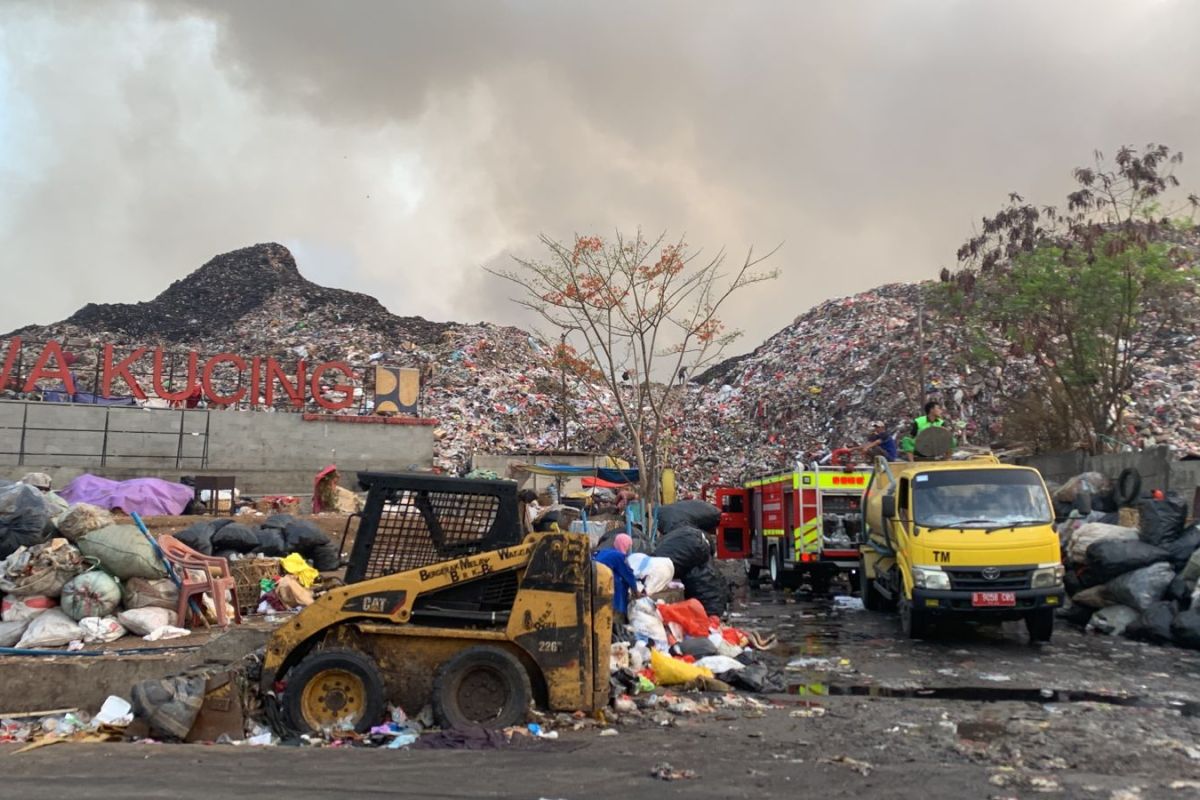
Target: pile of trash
(812, 387)
(73, 574)
(815, 386)
(491, 388)
(680, 645)
(809, 388)
(1139, 579)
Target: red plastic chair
(216, 582)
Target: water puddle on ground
(989, 694)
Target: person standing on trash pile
(880, 442)
(934, 418)
(623, 578)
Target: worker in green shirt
(934, 418)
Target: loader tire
(334, 689)
(484, 687)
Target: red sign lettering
(347, 390)
(119, 370)
(41, 371)
(14, 347)
(206, 379)
(265, 375)
(189, 384)
(295, 392)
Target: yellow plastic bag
(672, 672)
(296, 565)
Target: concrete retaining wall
(1158, 469)
(267, 452)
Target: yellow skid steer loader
(446, 603)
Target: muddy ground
(975, 713)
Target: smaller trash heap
(1132, 561)
(78, 576)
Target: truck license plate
(986, 599)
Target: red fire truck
(801, 525)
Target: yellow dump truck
(965, 537)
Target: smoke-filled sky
(396, 147)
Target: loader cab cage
(412, 520)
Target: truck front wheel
(871, 598)
(913, 621)
(1040, 624)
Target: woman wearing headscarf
(623, 577)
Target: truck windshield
(980, 498)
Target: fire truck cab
(804, 525)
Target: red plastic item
(689, 614)
(216, 580)
(735, 636)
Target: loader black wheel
(334, 689)
(484, 687)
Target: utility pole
(921, 348)
(562, 360)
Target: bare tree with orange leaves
(642, 315)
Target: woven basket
(247, 573)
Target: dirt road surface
(975, 713)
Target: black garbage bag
(706, 585)
(1108, 558)
(24, 518)
(304, 537)
(1154, 625)
(696, 513)
(271, 542)
(755, 678)
(1142, 587)
(1163, 520)
(1076, 614)
(1185, 629)
(198, 536)
(1080, 578)
(1106, 503)
(640, 545)
(1182, 548)
(547, 521)
(687, 547)
(238, 538)
(1179, 591)
(169, 705)
(217, 524)
(325, 557)
(697, 647)
(277, 521)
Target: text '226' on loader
(447, 603)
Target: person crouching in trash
(624, 580)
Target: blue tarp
(571, 471)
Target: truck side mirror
(888, 506)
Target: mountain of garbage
(491, 388)
(818, 384)
(811, 387)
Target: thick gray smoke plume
(397, 147)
